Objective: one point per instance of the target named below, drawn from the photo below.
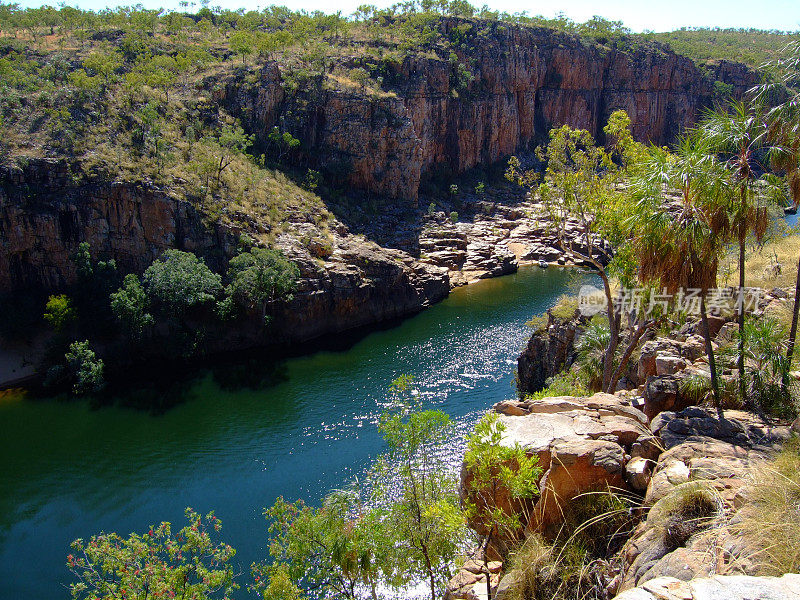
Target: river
(245, 432)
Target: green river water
(246, 432)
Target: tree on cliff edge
(585, 210)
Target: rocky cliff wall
(44, 216)
(515, 84)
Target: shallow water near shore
(247, 431)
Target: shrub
(454, 217)
(82, 369)
(156, 564)
(59, 311)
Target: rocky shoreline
(650, 442)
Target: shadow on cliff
(398, 223)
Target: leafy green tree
(179, 281)
(242, 43)
(496, 472)
(229, 141)
(586, 212)
(129, 305)
(282, 143)
(59, 312)
(156, 564)
(261, 277)
(84, 369)
(96, 279)
(334, 551)
(426, 525)
(103, 65)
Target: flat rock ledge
(718, 587)
(583, 444)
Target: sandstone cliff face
(43, 218)
(521, 82)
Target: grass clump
(688, 509)
(572, 565)
(770, 522)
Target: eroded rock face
(582, 444)
(729, 587)
(523, 82)
(548, 352)
(703, 458)
(358, 284)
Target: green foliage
(454, 217)
(179, 281)
(566, 383)
(59, 312)
(497, 471)
(282, 143)
(426, 524)
(332, 551)
(156, 564)
(261, 277)
(767, 379)
(83, 369)
(591, 348)
(129, 305)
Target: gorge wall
(507, 88)
(44, 216)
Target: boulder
(718, 587)
(667, 364)
(703, 458)
(638, 472)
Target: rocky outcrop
(509, 86)
(549, 351)
(496, 240)
(730, 587)
(698, 479)
(582, 444)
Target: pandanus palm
(679, 242)
(740, 133)
(784, 132)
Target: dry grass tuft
(770, 521)
(574, 565)
(772, 265)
